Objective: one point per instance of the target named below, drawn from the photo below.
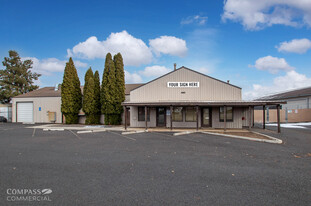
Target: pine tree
(97, 97)
(120, 86)
(108, 91)
(16, 78)
(71, 93)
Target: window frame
(223, 120)
(182, 115)
(195, 115)
(148, 114)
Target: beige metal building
(185, 98)
(44, 106)
(297, 109)
(182, 98)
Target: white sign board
(183, 84)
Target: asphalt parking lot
(108, 168)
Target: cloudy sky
(262, 46)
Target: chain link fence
(6, 112)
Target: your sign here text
(183, 84)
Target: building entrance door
(128, 122)
(206, 117)
(161, 116)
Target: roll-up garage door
(24, 112)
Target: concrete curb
(133, 132)
(28, 123)
(278, 141)
(83, 132)
(95, 131)
(115, 129)
(273, 139)
(53, 129)
(183, 133)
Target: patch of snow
(299, 125)
(98, 126)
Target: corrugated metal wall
(136, 123)
(238, 123)
(238, 113)
(298, 103)
(51, 104)
(209, 90)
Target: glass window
(229, 114)
(191, 115)
(141, 114)
(177, 114)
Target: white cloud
(272, 64)
(197, 19)
(134, 51)
(169, 45)
(255, 15)
(50, 65)
(204, 70)
(299, 46)
(155, 71)
(132, 77)
(79, 64)
(292, 80)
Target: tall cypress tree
(108, 91)
(89, 104)
(97, 97)
(88, 96)
(120, 86)
(88, 74)
(71, 93)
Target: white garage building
(39, 106)
(44, 105)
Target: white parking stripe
(123, 136)
(178, 137)
(75, 134)
(34, 131)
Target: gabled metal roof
(302, 92)
(204, 103)
(183, 67)
(50, 91)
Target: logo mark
(46, 191)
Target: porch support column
(125, 117)
(264, 117)
(250, 117)
(225, 118)
(146, 118)
(197, 113)
(253, 119)
(171, 117)
(278, 118)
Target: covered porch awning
(197, 104)
(204, 103)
